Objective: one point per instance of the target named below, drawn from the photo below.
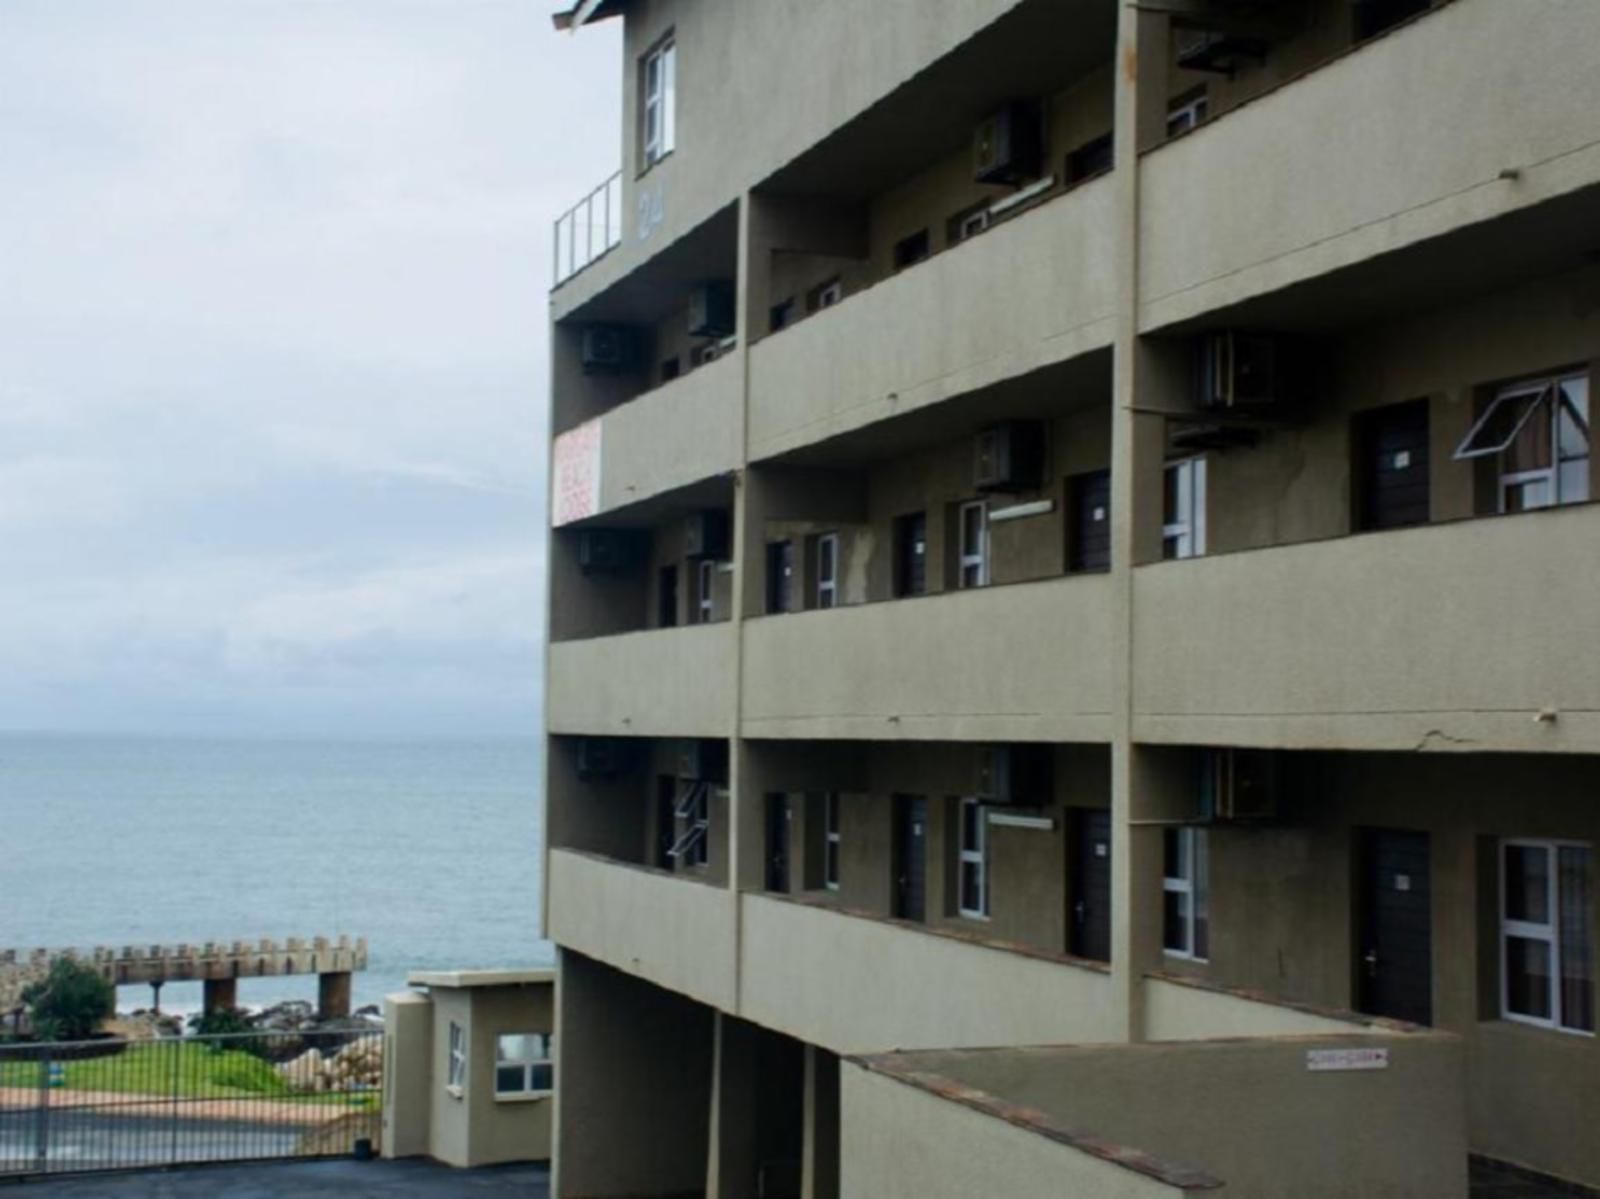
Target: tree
(69, 1003)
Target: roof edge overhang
(584, 11)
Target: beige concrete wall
(1392, 1133)
(900, 1142)
(852, 984)
(500, 1130)
(677, 434)
(937, 331)
(1182, 1011)
(675, 933)
(1413, 639)
(1024, 662)
(662, 683)
(408, 1074)
(449, 1121)
(1392, 170)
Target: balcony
(1468, 114)
(1475, 635)
(588, 231)
(661, 683)
(1031, 292)
(668, 931)
(852, 982)
(671, 437)
(1023, 662)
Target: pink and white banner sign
(575, 474)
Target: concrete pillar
(407, 1074)
(731, 1164)
(633, 1086)
(219, 995)
(820, 1169)
(333, 994)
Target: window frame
(658, 101)
(1549, 934)
(529, 1066)
(1193, 883)
(832, 844)
(976, 857)
(456, 1069)
(1194, 492)
(968, 558)
(825, 294)
(1192, 107)
(827, 586)
(699, 855)
(1550, 401)
(706, 591)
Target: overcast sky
(273, 282)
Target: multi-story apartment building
(1075, 665)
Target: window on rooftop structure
(1187, 111)
(1537, 430)
(658, 88)
(909, 251)
(1090, 159)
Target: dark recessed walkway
(335, 1179)
(1498, 1182)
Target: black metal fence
(119, 1105)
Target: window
(658, 97)
(974, 866)
(1186, 885)
(780, 576)
(1539, 430)
(828, 570)
(974, 547)
(1187, 111)
(1090, 159)
(1546, 934)
(706, 591)
(830, 840)
(909, 251)
(522, 1065)
(825, 295)
(1183, 515)
(456, 1079)
(781, 315)
(698, 851)
(969, 222)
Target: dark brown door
(1089, 500)
(778, 843)
(1089, 921)
(667, 597)
(780, 576)
(1392, 466)
(910, 857)
(666, 819)
(911, 554)
(1394, 966)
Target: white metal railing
(588, 230)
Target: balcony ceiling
(1039, 47)
(660, 285)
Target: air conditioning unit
(707, 535)
(1240, 371)
(703, 759)
(1218, 51)
(711, 308)
(1016, 774)
(607, 349)
(1238, 785)
(608, 551)
(1008, 145)
(1009, 457)
(603, 757)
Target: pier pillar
(333, 994)
(219, 995)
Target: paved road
(336, 1179)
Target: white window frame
(829, 294)
(529, 1067)
(700, 850)
(972, 558)
(658, 96)
(1549, 401)
(1190, 527)
(1549, 934)
(828, 584)
(972, 224)
(705, 599)
(456, 1073)
(1184, 117)
(976, 856)
(1192, 847)
(831, 843)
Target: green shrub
(242, 1071)
(69, 1003)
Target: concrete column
(731, 1164)
(820, 1168)
(407, 1074)
(219, 995)
(333, 994)
(633, 1086)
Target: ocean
(428, 848)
